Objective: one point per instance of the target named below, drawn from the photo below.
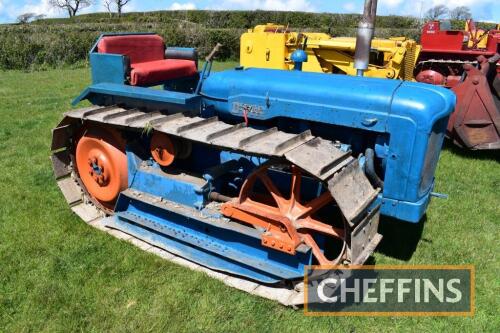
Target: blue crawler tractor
(253, 173)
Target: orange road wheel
(163, 149)
(102, 164)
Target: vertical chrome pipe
(364, 37)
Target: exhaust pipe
(364, 37)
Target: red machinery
(467, 61)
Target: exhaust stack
(364, 37)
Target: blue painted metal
(403, 121)
(298, 57)
(413, 115)
(198, 235)
(231, 248)
(112, 93)
(205, 72)
(108, 68)
(147, 176)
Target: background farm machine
(271, 46)
(468, 62)
(465, 61)
(252, 173)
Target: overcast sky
(482, 10)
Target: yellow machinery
(477, 38)
(271, 45)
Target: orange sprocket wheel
(288, 220)
(101, 163)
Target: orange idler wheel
(163, 149)
(288, 219)
(102, 164)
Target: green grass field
(58, 274)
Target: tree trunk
(75, 9)
(119, 10)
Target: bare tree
(39, 17)
(108, 4)
(26, 18)
(120, 4)
(460, 13)
(71, 6)
(436, 12)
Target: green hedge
(60, 42)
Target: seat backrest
(139, 48)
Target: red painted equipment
(466, 61)
(476, 120)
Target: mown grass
(58, 274)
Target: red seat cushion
(148, 73)
(139, 48)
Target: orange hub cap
(163, 149)
(102, 164)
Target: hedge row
(241, 19)
(58, 42)
(33, 47)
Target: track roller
(166, 149)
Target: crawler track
(337, 169)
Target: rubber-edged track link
(321, 158)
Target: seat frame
(116, 68)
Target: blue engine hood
(335, 99)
